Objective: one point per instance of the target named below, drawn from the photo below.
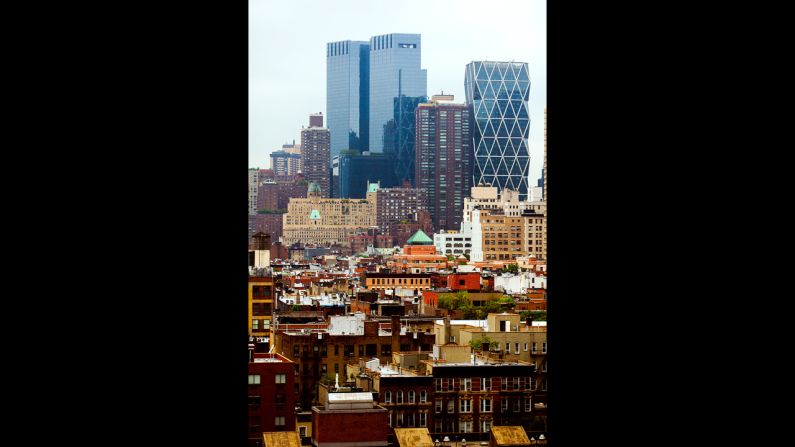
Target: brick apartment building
(271, 396)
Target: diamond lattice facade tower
(498, 93)
(347, 94)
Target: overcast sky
(287, 55)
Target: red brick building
(464, 281)
(271, 396)
(349, 420)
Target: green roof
(315, 215)
(313, 187)
(373, 187)
(419, 238)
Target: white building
(454, 242)
(520, 283)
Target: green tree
(480, 344)
(296, 308)
(535, 315)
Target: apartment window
(467, 385)
(279, 421)
(544, 366)
(437, 384)
(361, 350)
(543, 385)
(348, 351)
(504, 405)
(336, 367)
(544, 347)
(423, 396)
(253, 379)
(302, 431)
(507, 347)
(528, 383)
(323, 369)
(254, 325)
(254, 401)
(399, 397)
(423, 420)
(399, 419)
(296, 350)
(528, 405)
(516, 346)
(450, 384)
(504, 383)
(336, 349)
(281, 378)
(438, 406)
(517, 405)
(389, 419)
(485, 405)
(534, 350)
(411, 396)
(386, 349)
(452, 338)
(516, 383)
(465, 426)
(437, 426)
(525, 347)
(411, 419)
(486, 426)
(466, 406)
(387, 397)
(485, 384)
(451, 406)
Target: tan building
(328, 222)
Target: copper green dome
(419, 238)
(313, 187)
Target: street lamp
(446, 440)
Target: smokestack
(446, 329)
(395, 333)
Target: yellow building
(327, 222)
(260, 307)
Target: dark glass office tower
(358, 170)
(498, 93)
(399, 136)
(394, 71)
(347, 98)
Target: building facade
(271, 396)
(326, 222)
(347, 95)
(398, 204)
(284, 163)
(253, 190)
(317, 161)
(498, 93)
(260, 310)
(394, 61)
(358, 171)
(443, 158)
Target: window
(423, 396)
(528, 383)
(544, 366)
(507, 347)
(544, 347)
(485, 405)
(348, 351)
(411, 396)
(399, 397)
(253, 379)
(450, 384)
(336, 349)
(296, 350)
(411, 419)
(302, 431)
(361, 350)
(517, 405)
(437, 384)
(534, 350)
(371, 350)
(254, 325)
(543, 385)
(516, 350)
(399, 419)
(336, 367)
(504, 405)
(528, 404)
(254, 401)
(323, 369)
(389, 419)
(387, 397)
(504, 383)
(486, 426)
(465, 426)
(423, 420)
(437, 425)
(281, 378)
(451, 406)
(438, 405)
(452, 338)
(386, 349)
(466, 406)
(516, 383)
(279, 421)
(525, 347)
(467, 386)
(485, 384)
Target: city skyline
(287, 56)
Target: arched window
(388, 397)
(399, 397)
(411, 396)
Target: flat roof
(413, 437)
(512, 435)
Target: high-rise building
(317, 161)
(443, 163)
(395, 74)
(284, 163)
(498, 93)
(544, 175)
(397, 204)
(399, 136)
(316, 120)
(347, 95)
(358, 171)
(335, 177)
(253, 190)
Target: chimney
(446, 329)
(395, 333)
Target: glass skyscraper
(498, 93)
(396, 81)
(347, 98)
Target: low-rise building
(349, 419)
(271, 397)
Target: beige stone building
(327, 222)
